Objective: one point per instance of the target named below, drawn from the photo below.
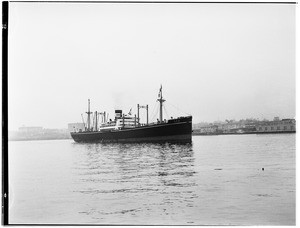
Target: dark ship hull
(174, 130)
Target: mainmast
(88, 117)
(161, 101)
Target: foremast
(161, 101)
(89, 116)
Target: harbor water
(215, 180)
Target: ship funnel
(118, 114)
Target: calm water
(215, 180)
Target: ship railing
(108, 125)
(154, 123)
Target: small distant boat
(127, 128)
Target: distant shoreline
(244, 133)
(38, 139)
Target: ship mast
(161, 101)
(96, 120)
(88, 117)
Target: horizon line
(162, 2)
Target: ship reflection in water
(156, 180)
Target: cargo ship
(127, 128)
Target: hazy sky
(215, 61)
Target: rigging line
(166, 112)
(179, 109)
(156, 114)
(155, 107)
(153, 116)
(82, 119)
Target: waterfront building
(210, 129)
(38, 133)
(284, 125)
(248, 126)
(230, 127)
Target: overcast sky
(215, 61)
